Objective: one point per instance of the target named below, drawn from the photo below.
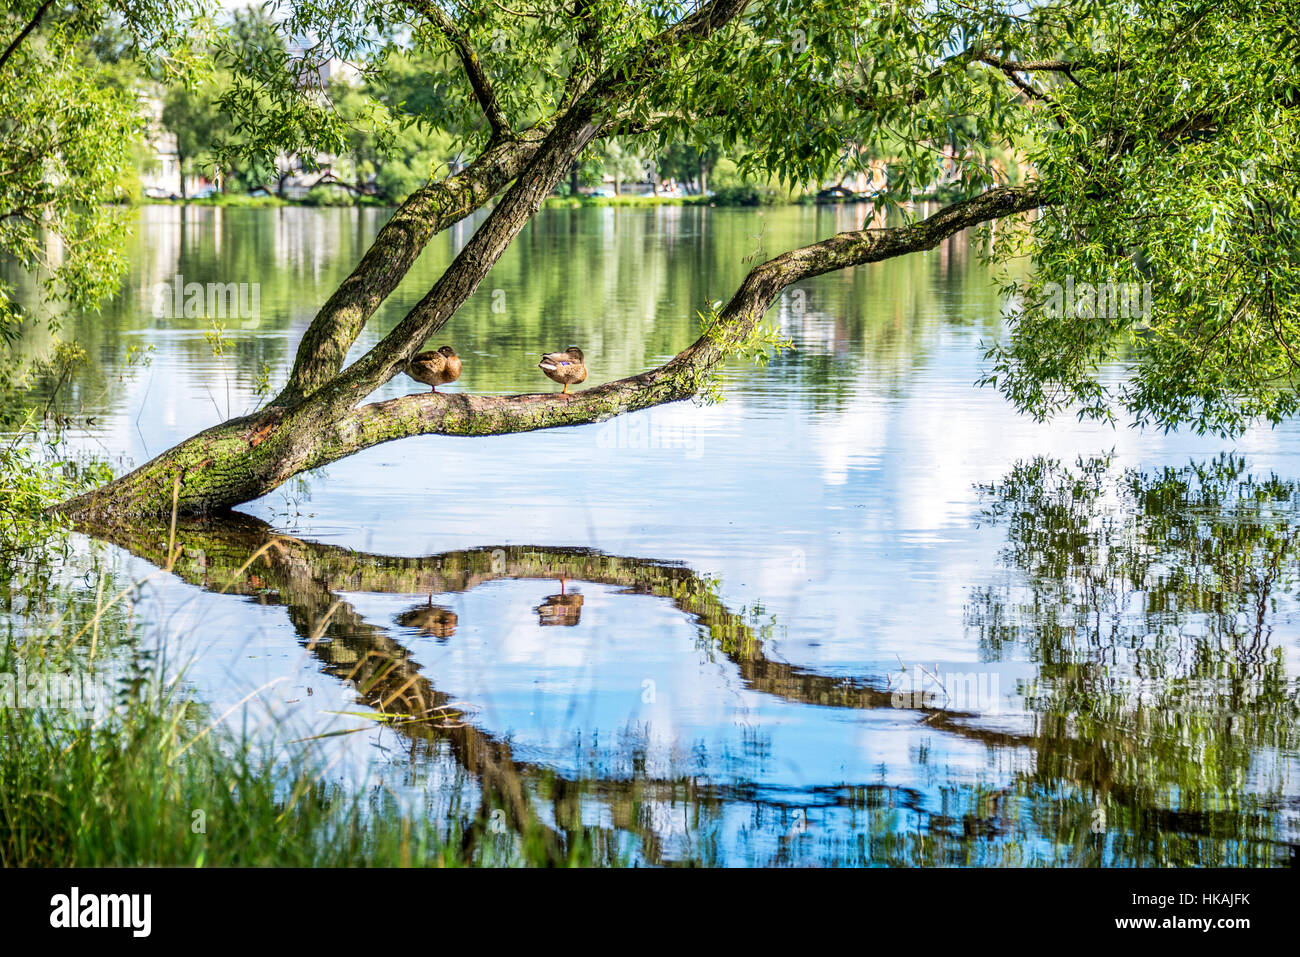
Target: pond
(861, 612)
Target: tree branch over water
(1135, 161)
(684, 375)
(248, 457)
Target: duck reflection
(561, 609)
(435, 621)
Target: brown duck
(435, 368)
(566, 368)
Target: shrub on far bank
(744, 195)
(332, 196)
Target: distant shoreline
(724, 198)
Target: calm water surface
(859, 613)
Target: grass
(151, 779)
(156, 783)
(140, 791)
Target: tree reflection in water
(1159, 725)
(1158, 609)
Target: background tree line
(386, 158)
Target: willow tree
(1159, 137)
(69, 118)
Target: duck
(567, 367)
(434, 368)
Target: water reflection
(432, 620)
(1149, 604)
(1150, 617)
(561, 609)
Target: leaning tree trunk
(315, 418)
(247, 457)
